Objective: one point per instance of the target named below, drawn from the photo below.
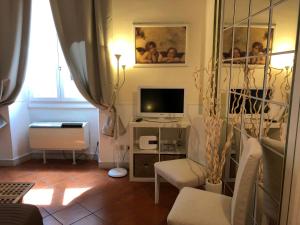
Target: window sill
(59, 105)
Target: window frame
(60, 84)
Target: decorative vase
(216, 188)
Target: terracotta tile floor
(84, 194)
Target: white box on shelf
(148, 142)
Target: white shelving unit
(172, 144)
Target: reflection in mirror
(285, 19)
(244, 105)
(252, 115)
(228, 12)
(236, 144)
(258, 38)
(250, 218)
(275, 127)
(242, 10)
(259, 5)
(233, 158)
(240, 40)
(254, 77)
(223, 88)
(233, 166)
(280, 82)
(238, 74)
(227, 45)
(259, 93)
(236, 99)
(270, 184)
(272, 174)
(267, 208)
(225, 77)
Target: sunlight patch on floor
(39, 196)
(72, 193)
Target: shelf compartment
(173, 136)
(172, 149)
(142, 131)
(144, 164)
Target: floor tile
(49, 220)
(71, 214)
(91, 220)
(94, 203)
(112, 201)
(43, 212)
(53, 208)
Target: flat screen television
(161, 102)
(251, 105)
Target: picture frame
(161, 45)
(257, 44)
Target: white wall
(19, 121)
(14, 137)
(124, 14)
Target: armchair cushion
(181, 172)
(194, 206)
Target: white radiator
(59, 136)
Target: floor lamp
(118, 171)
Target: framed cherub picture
(257, 44)
(160, 44)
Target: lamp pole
(118, 171)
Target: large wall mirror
(256, 69)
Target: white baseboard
(16, 161)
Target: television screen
(251, 104)
(162, 100)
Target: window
(47, 71)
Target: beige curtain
(14, 35)
(82, 29)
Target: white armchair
(185, 172)
(197, 207)
(180, 173)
